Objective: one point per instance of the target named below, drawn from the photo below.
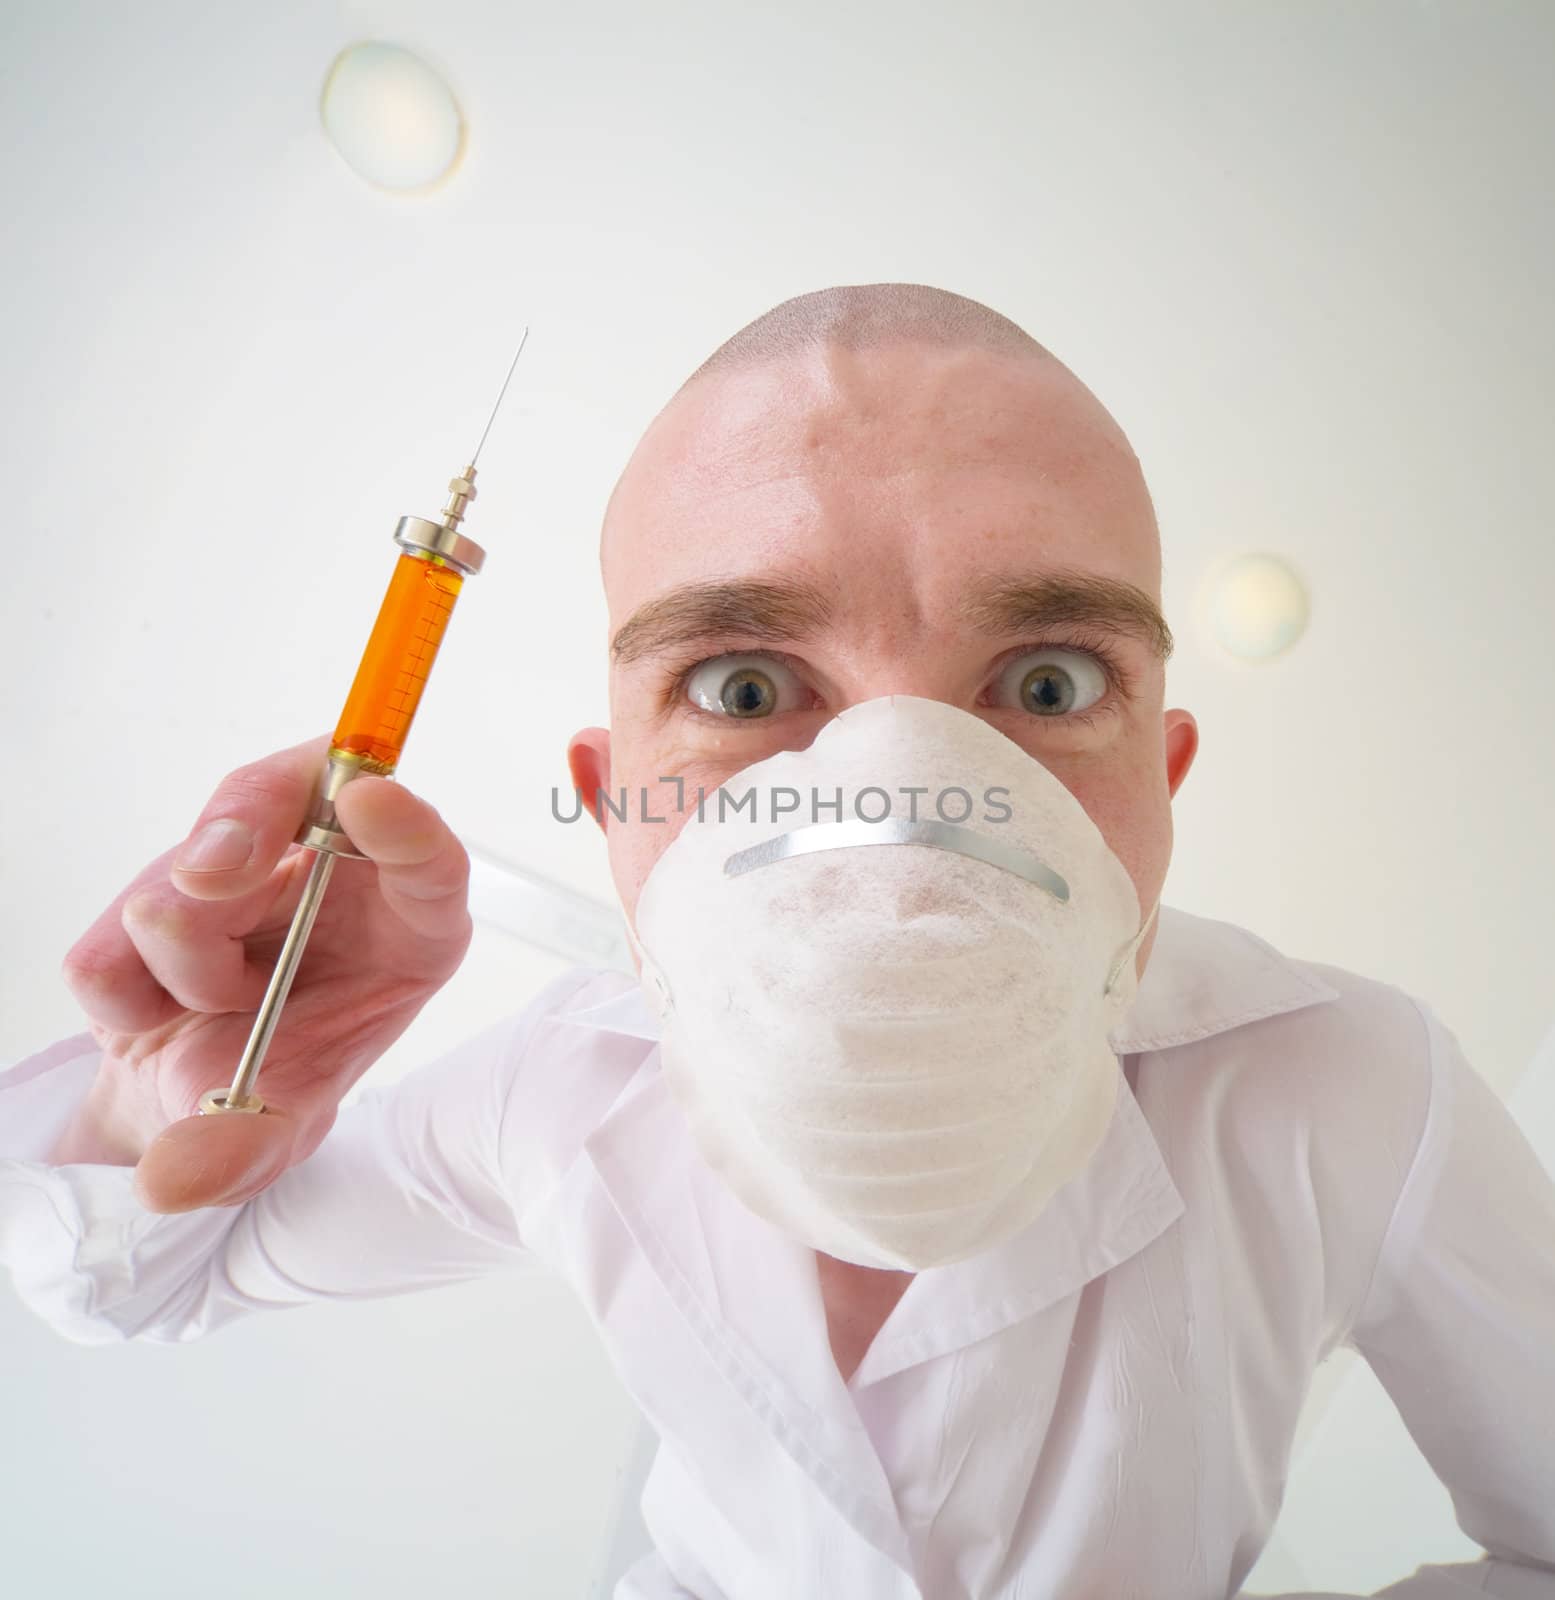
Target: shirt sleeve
(1458, 1323)
(1457, 1580)
(410, 1189)
(1506, 1580)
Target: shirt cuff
(85, 1255)
(39, 1095)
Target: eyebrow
(767, 611)
(774, 611)
(1067, 596)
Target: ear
(1182, 743)
(588, 760)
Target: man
(878, 519)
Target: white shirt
(1101, 1407)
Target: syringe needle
(505, 382)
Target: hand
(172, 973)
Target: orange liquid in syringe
(398, 658)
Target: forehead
(939, 459)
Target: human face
(908, 515)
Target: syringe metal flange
(322, 830)
(438, 539)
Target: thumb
(219, 1160)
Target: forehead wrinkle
(759, 608)
(1069, 595)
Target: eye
(1051, 682)
(746, 687)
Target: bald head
(822, 342)
(863, 316)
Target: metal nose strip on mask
(898, 830)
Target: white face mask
(890, 1039)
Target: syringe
(371, 732)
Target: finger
(104, 970)
(249, 822)
(223, 1159)
(170, 953)
(111, 984)
(197, 950)
(423, 870)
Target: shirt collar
(1204, 978)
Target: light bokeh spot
(1257, 607)
(391, 117)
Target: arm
(1459, 1326)
(409, 1189)
(1458, 1580)
(1510, 1580)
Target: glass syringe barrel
(394, 668)
(399, 655)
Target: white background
(1302, 251)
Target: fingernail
(217, 847)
